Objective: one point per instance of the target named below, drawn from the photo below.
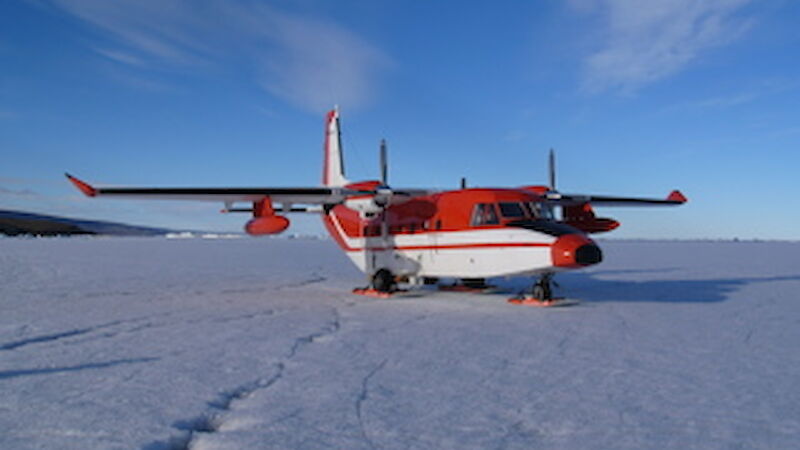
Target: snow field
(257, 343)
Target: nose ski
(542, 294)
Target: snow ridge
(362, 397)
(332, 327)
(62, 335)
(7, 374)
(214, 421)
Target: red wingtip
(84, 187)
(677, 196)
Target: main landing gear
(541, 294)
(382, 285)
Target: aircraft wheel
(383, 281)
(542, 289)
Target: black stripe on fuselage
(545, 226)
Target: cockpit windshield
(511, 210)
(487, 213)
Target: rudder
(333, 161)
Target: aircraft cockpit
(484, 214)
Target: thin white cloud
(17, 192)
(309, 62)
(120, 57)
(727, 101)
(646, 41)
(765, 88)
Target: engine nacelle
(266, 225)
(366, 204)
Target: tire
(383, 281)
(542, 292)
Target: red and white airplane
(419, 235)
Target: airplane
(421, 236)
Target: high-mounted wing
(284, 195)
(266, 219)
(577, 209)
(673, 199)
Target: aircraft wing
(285, 195)
(674, 198)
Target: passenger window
(511, 210)
(484, 214)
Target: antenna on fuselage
(552, 170)
(463, 182)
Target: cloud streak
(17, 192)
(644, 42)
(311, 63)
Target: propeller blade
(552, 170)
(384, 164)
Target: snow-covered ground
(155, 343)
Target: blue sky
(637, 98)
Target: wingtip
(84, 187)
(677, 196)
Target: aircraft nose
(574, 251)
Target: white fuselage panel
(479, 253)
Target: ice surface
(160, 343)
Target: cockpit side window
(512, 210)
(484, 214)
(535, 209)
(539, 210)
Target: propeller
(384, 193)
(552, 192)
(384, 164)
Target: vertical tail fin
(333, 162)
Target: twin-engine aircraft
(422, 235)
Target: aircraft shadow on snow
(586, 286)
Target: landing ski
(551, 303)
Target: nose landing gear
(543, 288)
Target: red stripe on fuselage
(340, 240)
(452, 246)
